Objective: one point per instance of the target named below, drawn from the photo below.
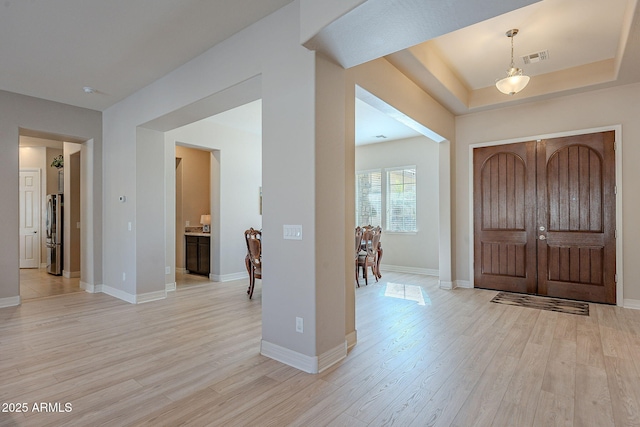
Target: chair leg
(364, 273)
(252, 283)
(357, 282)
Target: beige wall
(573, 113)
(414, 251)
(72, 264)
(51, 172)
(195, 184)
(193, 193)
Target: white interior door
(30, 245)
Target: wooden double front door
(544, 217)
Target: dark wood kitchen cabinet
(197, 253)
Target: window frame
(388, 199)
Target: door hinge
(615, 189)
(615, 145)
(616, 278)
(615, 233)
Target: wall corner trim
(289, 357)
(10, 301)
(117, 293)
(150, 296)
(309, 364)
(445, 285)
(351, 339)
(332, 356)
(464, 284)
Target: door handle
(542, 237)
(35, 232)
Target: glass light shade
(205, 219)
(513, 83)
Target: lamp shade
(205, 219)
(513, 83)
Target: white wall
(269, 48)
(22, 112)
(416, 252)
(238, 181)
(602, 108)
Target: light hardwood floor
(425, 357)
(37, 283)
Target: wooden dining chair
(359, 232)
(253, 260)
(371, 239)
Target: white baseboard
(309, 364)
(170, 287)
(92, 289)
(300, 361)
(464, 284)
(10, 301)
(228, 277)
(331, 357)
(631, 303)
(181, 270)
(409, 270)
(351, 339)
(43, 265)
(150, 296)
(445, 285)
(70, 274)
(124, 296)
(117, 293)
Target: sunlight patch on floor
(407, 292)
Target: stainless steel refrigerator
(54, 234)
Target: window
(369, 198)
(388, 199)
(401, 199)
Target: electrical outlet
(299, 325)
(167, 270)
(124, 276)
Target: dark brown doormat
(542, 303)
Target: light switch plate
(292, 232)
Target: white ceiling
(52, 50)
(575, 32)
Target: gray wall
(19, 111)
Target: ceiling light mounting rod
(515, 80)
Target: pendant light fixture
(515, 80)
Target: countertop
(197, 234)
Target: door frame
(618, 165)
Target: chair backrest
(368, 239)
(359, 232)
(375, 240)
(254, 246)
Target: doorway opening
(416, 235)
(44, 159)
(193, 212)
